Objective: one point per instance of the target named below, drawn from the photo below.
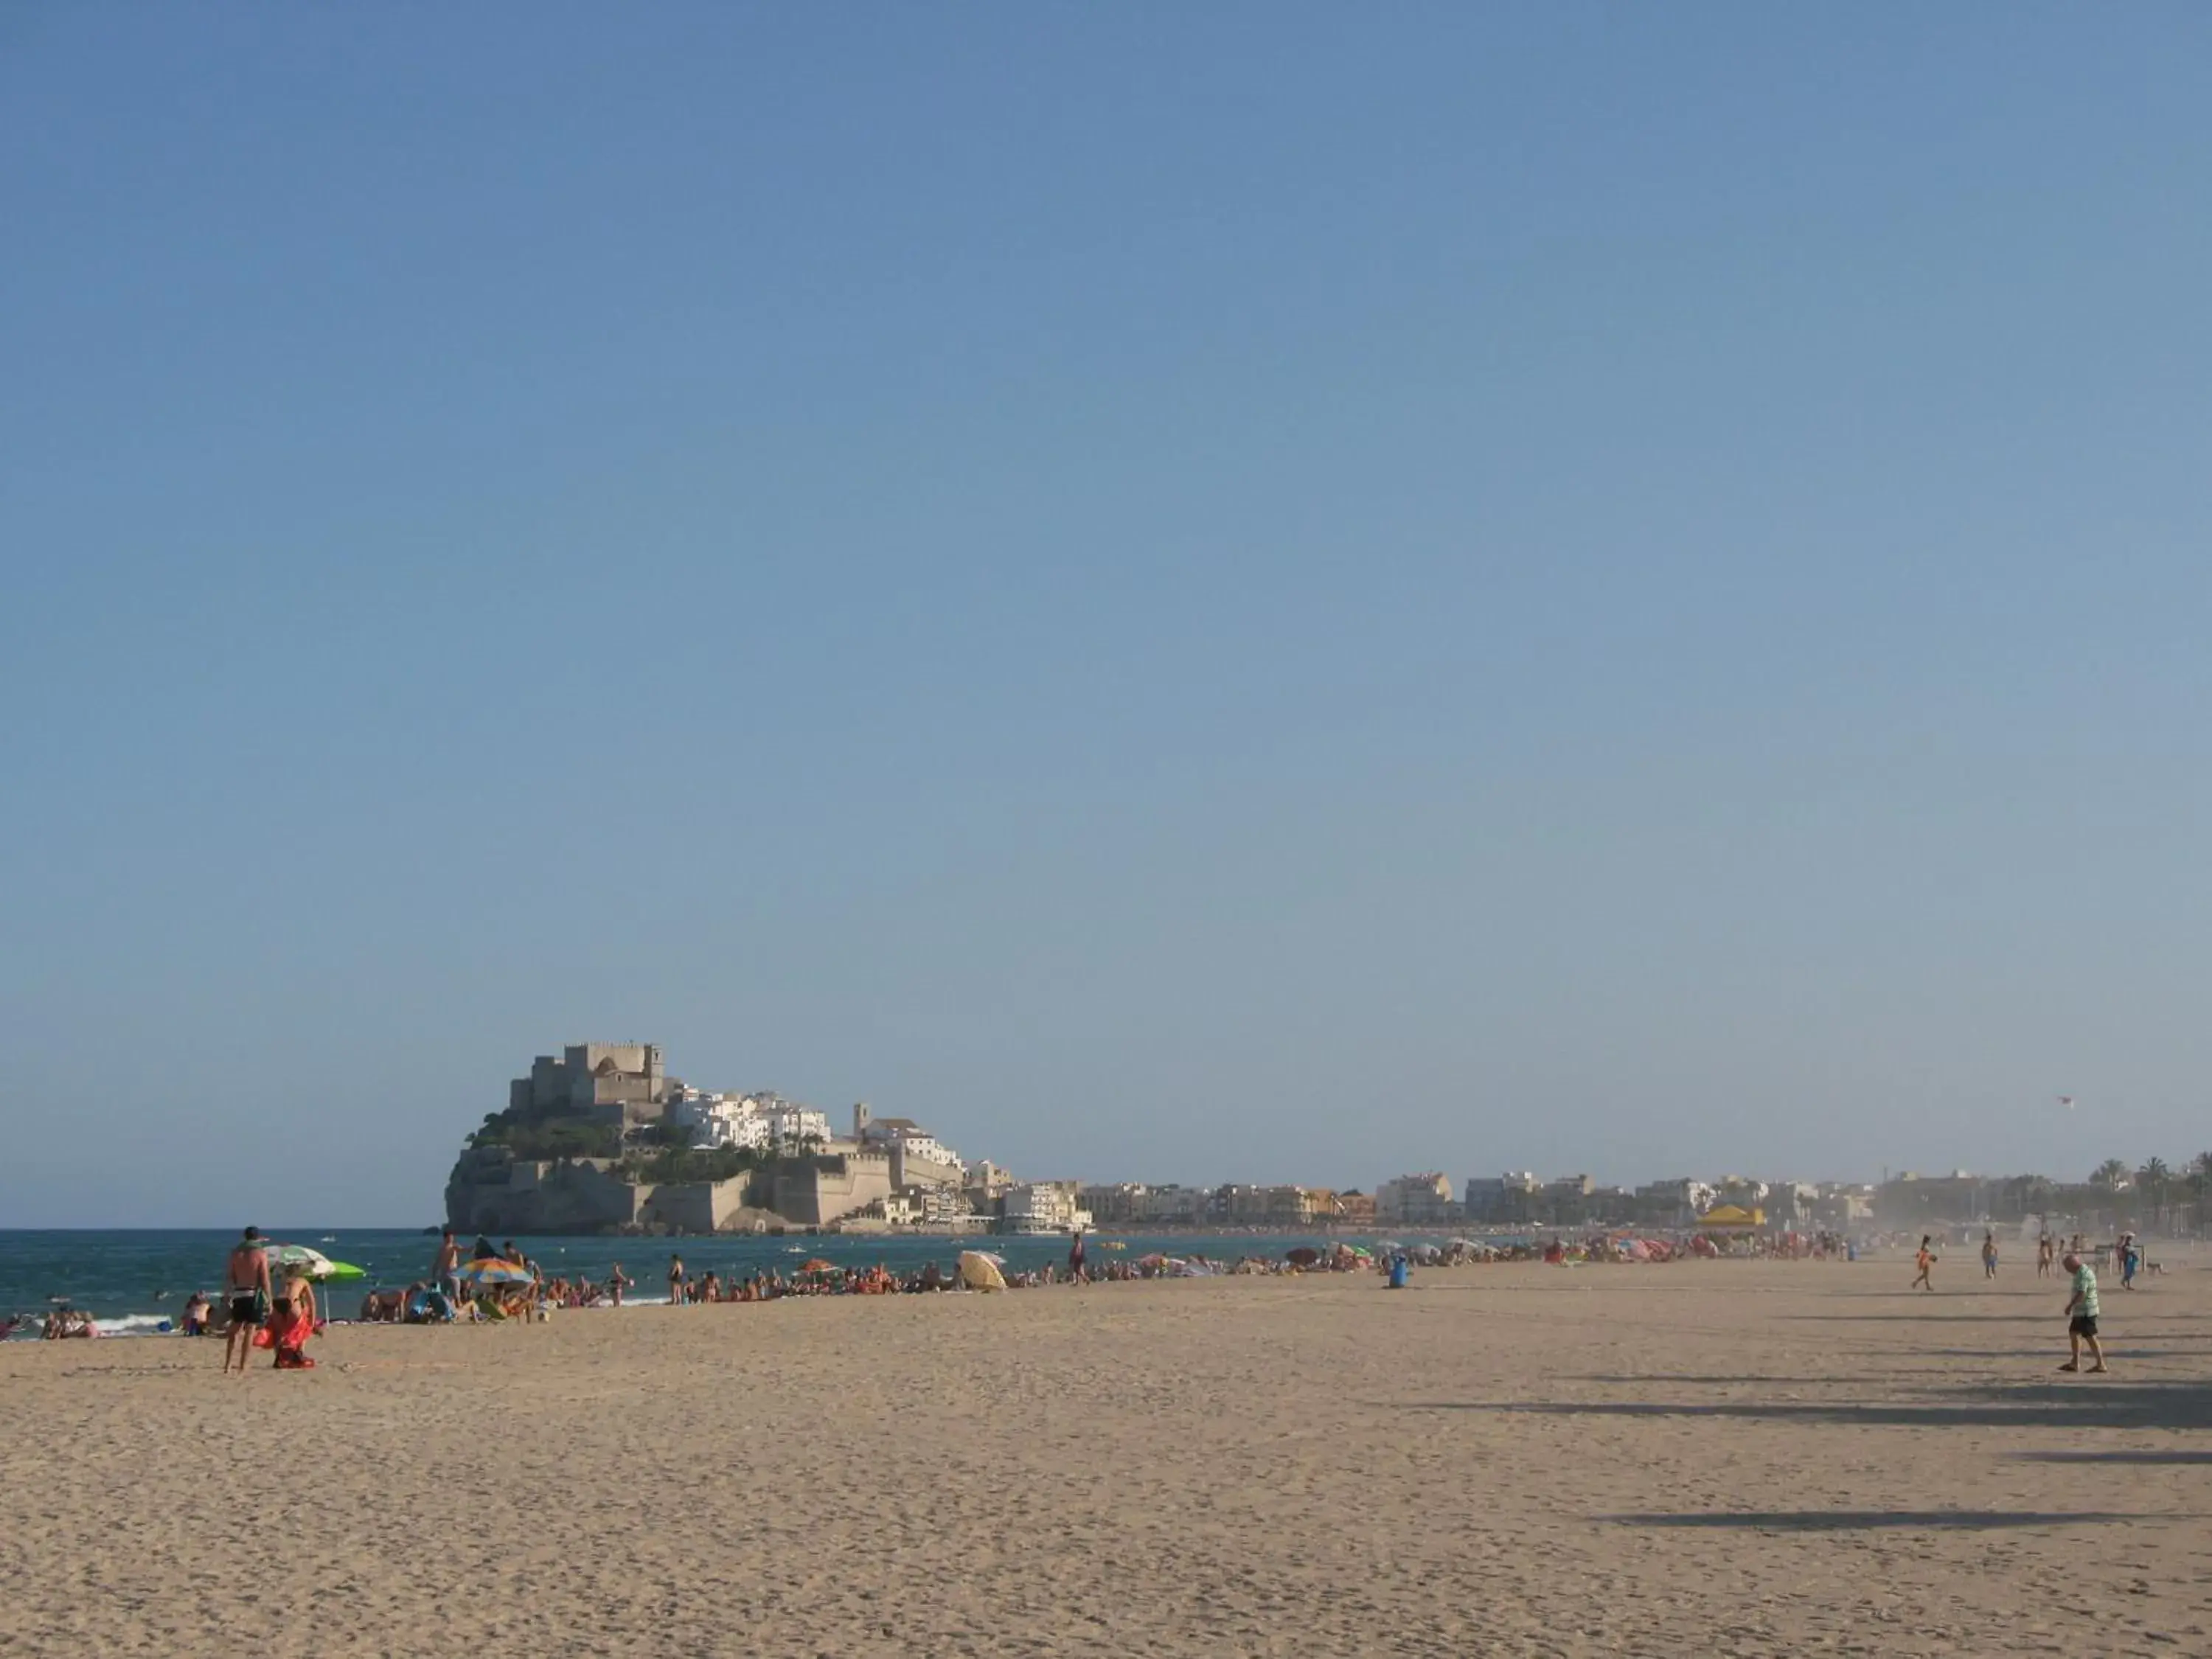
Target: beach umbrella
(979, 1273)
(297, 1258)
(284, 1259)
(817, 1265)
(491, 1270)
(1304, 1256)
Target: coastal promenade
(1746, 1458)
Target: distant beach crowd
(270, 1298)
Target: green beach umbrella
(297, 1258)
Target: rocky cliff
(492, 1191)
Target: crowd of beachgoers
(492, 1284)
(447, 1299)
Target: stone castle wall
(812, 1191)
(491, 1193)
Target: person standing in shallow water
(1925, 1260)
(675, 1281)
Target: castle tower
(861, 1116)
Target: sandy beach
(1757, 1458)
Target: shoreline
(130, 1280)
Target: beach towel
(286, 1332)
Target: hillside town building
(1418, 1201)
(601, 1137)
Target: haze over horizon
(1262, 594)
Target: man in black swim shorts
(245, 1281)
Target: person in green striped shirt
(2082, 1315)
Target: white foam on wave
(132, 1324)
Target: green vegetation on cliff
(548, 1138)
(678, 1166)
(654, 1156)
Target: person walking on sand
(245, 1281)
(1075, 1260)
(2081, 1316)
(1989, 1253)
(675, 1281)
(617, 1284)
(2046, 1249)
(1925, 1262)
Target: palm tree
(2200, 1182)
(2153, 1179)
(2112, 1175)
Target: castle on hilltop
(603, 1139)
(624, 1083)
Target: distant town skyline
(598, 1138)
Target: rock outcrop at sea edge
(586, 1146)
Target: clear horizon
(1258, 594)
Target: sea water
(131, 1281)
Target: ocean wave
(134, 1324)
(109, 1325)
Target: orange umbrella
(817, 1265)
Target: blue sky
(1247, 591)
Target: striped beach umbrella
(491, 1270)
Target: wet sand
(1740, 1458)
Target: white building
(1687, 1198)
(918, 1157)
(790, 1124)
(1043, 1206)
(1501, 1198)
(902, 1209)
(942, 1206)
(719, 1121)
(1173, 1205)
(1418, 1201)
(749, 1122)
(988, 1178)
